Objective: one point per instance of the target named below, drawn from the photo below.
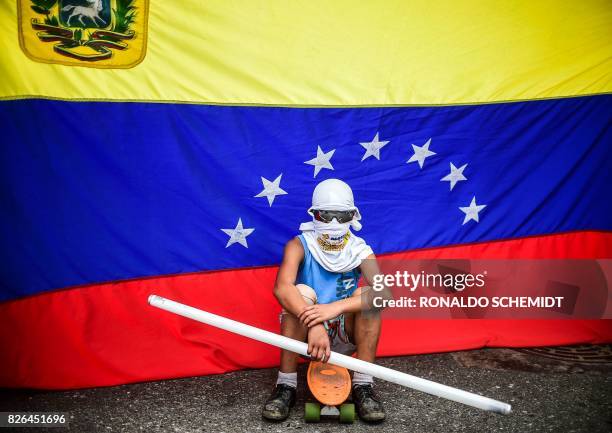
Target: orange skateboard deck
(329, 384)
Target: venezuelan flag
(172, 148)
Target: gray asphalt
(547, 395)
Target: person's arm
(292, 301)
(316, 314)
(284, 288)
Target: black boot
(278, 404)
(368, 405)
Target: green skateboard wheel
(347, 413)
(312, 412)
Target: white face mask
(333, 234)
(334, 246)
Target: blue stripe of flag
(102, 191)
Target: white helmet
(334, 194)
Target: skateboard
(330, 385)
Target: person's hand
(318, 313)
(318, 343)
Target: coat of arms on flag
(95, 33)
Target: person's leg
(292, 327)
(276, 407)
(363, 328)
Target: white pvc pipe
(351, 363)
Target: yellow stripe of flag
(338, 53)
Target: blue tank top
(329, 286)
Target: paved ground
(547, 395)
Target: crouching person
(317, 287)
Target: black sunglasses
(326, 216)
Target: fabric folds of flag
(477, 132)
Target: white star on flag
(238, 235)
(420, 153)
(455, 175)
(271, 189)
(373, 147)
(471, 211)
(322, 160)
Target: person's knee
(308, 293)
(367, 312)
(360, 291)
(290, 324)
